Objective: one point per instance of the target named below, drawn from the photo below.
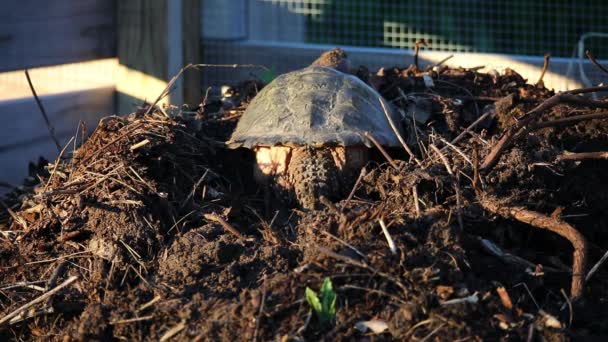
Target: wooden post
(154, 41)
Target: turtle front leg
(313, 173)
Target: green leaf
(269, 75)
(313, 301)
(331, 308)
(325, 307)
(328, 300)
(327, 286)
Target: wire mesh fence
(518, 27)
(515, 27)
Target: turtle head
(334, 58)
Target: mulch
(149, 228)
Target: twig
(132, 320)
(523, 284)
(172, 332)
(194, 187)
(436, 330)
(458, 202)
(416, 326)
(233, 66)
(582, 101)
(44, 115)
(443, 158)
(531, 329)
(506, 257)
(357, 182)
(149, 304)
(18, 219)
(555, 225)
(444, 60)
(417, 49)
(471, 126)
(139, 144)
(595, 62)
(353, 248)
(25, 284)
(476, 178)
(456, 149)
(58, 258)
(227, 226)
(467, 91)
(260, 312)
(204, 101)
(63, 237)
(507, 139)
(569, 302)
(416, 203)
(583, 155)
(587, 90)
(39, 299)
(57, 272)
(381, 149)
(399, 137)
(306, 322)
(471, 299)
(113, 141)
(31, 313)
(544, 70)
(361, 264)
(597, 266)
(61, 152)
(167, 89)
(569, 120)
(180, 220)
(389, 239)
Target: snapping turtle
(306, 128)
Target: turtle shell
(315, 106)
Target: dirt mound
(150, 229)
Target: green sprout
(323, 304)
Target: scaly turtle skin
(307, 127)
(313, 173)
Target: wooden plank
(58, 79)
(22, 123)
(142, 51)
(134, 88)
(37, 33)
(156, 38)
(25, 136)
(142, 36)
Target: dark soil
(135, 212)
